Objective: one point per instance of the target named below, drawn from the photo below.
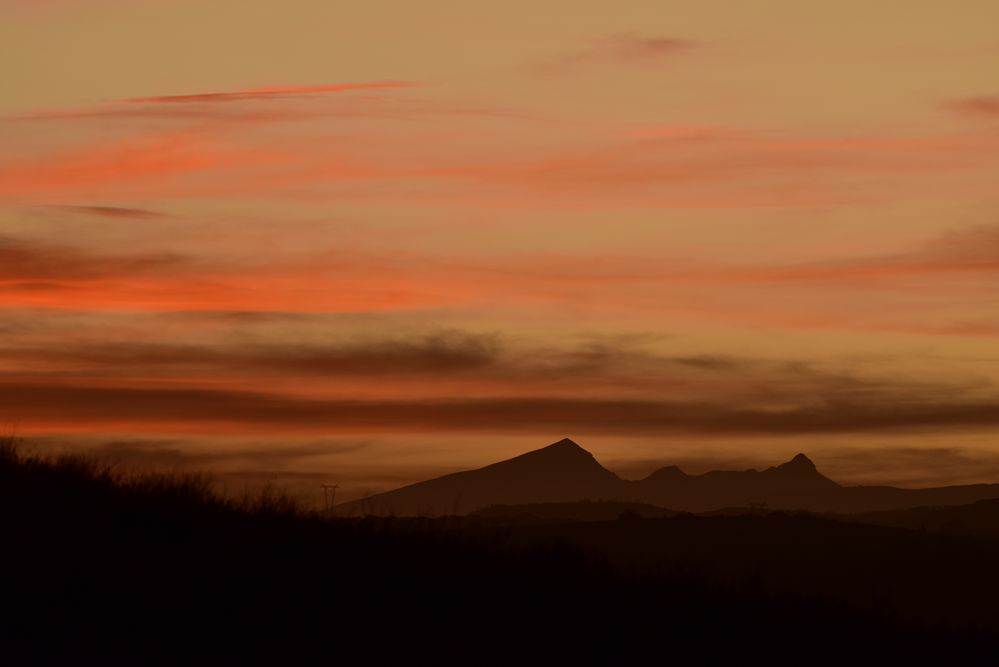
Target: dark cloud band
(99, 406)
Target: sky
(374, 242)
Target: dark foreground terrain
(101, 567)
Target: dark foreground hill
(102, 568)
(980, 519)
(569, 512)
(564, 472)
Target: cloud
(35, 405)
(910, 466)
(635, 47)
(268, 93)
(360, 281)
(986, 106)
(464, 364)
(114, 212)
(428, 356)
(192, 454)
(198, 106)
(222, 148)
(37, 273)
(255, 106)
(192, 113)
(966, 251)
(35, 262)
(972, 247)
(152, 162)
(687, 167)
(621, 49)
(454, 380)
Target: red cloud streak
(269, 92)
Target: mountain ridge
(565, 472)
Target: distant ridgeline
(564, 472)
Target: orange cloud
(29, 262)
(47, 407)
(977, 106)
(973, 251)
(47, 275)
(142, 163)
(373, 158)
(250, 293)
(113, 212)
(268, 93)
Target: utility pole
(329, 496)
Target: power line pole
(329, 496)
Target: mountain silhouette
(561, 472)
(564, 472)
(781, 485)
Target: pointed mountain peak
(562, 457)
(667, 473)
(563, 450)
(799, 462)
(802, 469)
(566, 443)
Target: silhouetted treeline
(101, 566)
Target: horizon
(308, 488)
(374, 243)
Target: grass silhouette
(105, 564)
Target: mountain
(561, 472)
(779, 485)
(564, 472)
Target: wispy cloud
(986, 106)
(961, 252)
(636, 47)
(456, 381)
(48, 406)
(220, 144)
(113, 212)
(147, 163)
(268, 93)
(361, 280)
(30, 261)
(911, 466)
(45, 274)
(435, 355)
(255, 105)
(620, 49)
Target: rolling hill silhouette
(979, 519)
(564, 472)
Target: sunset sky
(372, 242)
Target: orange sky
(379, 241)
